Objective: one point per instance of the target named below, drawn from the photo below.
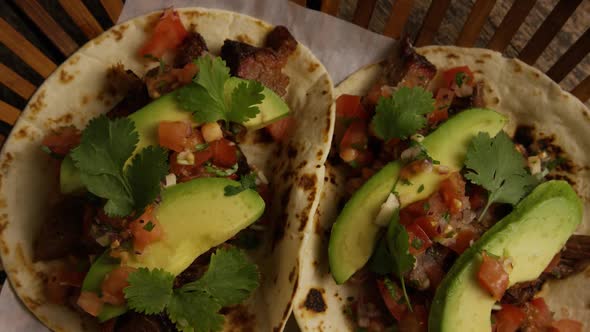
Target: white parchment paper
(341, 46)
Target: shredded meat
(136, 322)
(523, 292)
(408, 68)
(263, 64)
(125, 82)
(193, 46)
(430, 267)
(575, 257)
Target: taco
(456, 181)
(157, 181)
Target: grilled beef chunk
(60, 234)
(136, 322)
(263, 64)
(193, 46)
(523, 292)
(574, 258)
(463, 103)
(407, 68)
(125, 82)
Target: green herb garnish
(247, 181)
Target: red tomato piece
(396, 305)
(412, 211)
(566, 325)
(224, 153)
(145, 230)
(168, 34)
(452, 190)
(415, 321)
(90, 302)
(355, 136)
(174, 134)
(444, 98)
(463, 240)
(419, 241)
(280, 130)
(350, 107)
(429, 225)
(509, 318)
(113, 285)
(492, 276)
(538, 312)
(62, 140)
(450, 76)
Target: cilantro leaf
(244, 101)
(145, 172)
(230, 278)
(398, 242)
(496, 165)
(195, 98)
(402, 114)
(247, 181)
(195, 311)
(381, 260)
(149, 292)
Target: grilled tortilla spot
(315, 301)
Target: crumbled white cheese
(170, 180)
(387, 209)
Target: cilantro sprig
(104, 149)
(247, 181)
(229, 280)
(206, 97)
(402, 114)
(495, 164)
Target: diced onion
(185, 158)
(410, 153)
(170, 180)
(534, 164)
(386, 212)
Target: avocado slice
(195, 216)
(354, 234)
(448, 144)
(166, 108)
(531, 235)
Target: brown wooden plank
(547, 31)
(48, 26)
(302, 3)
(15, 82)
(82, 17)
(25, 50)
(570, 59)
(8, 113)
(432, 20)
(472, 27)
(400, 12)
(510, 24)
(363, 12)
(330, 7)
(113, 8)
(582, 91)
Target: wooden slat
(363, 12)
(330, 7)
(82, 17)
(113, 8)
(15, 82)
(472, 27)
(570, 59)
(432, 20)
(582, 91)
(8, 113)
(25, 50)
(510, 24)
(48, 26)
(550, 27)
(400, 12)
(302, 3)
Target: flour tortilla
(77, 91)
(513, 88)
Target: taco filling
(159, 206)
(450, 224)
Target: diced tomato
(419, 241)
(60, 282)
(168, 34)
(463, 240)
(113, 285)
(429, 225)
(224, 153)
(378, 90)
(566, 325)
(444, 98)
(355, 137)
(450, 76)
(396, 305)
(538, 312)
(414, 321)
(412, 211)
(452, 190)
(509, 318)
(145, 230)
(62, 140)
(492, 276)
(280, 130)
(553, 264)
(178, 135)
(350, 107)
(186, 74)
(90, 302)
